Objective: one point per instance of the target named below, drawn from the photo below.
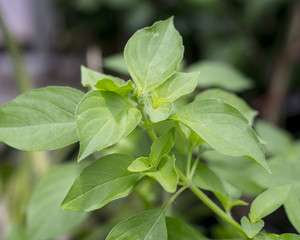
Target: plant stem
(188, 163)
(147, 123)
(208, 202)
(174, 197)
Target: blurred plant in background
(253, 45)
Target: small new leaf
(176, 86)
(147, 225)
(105, 180)
(166, 174)
(157, 113)
(140, 165)
(251, 229)
(90, 77)
(103, 118)
(162, 146)
(42, 119)
(106, 84)
(152, 55)
(267, 202)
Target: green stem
(195, 165)
(174, 197)
(188, 163)
(148, 124)
(214, 207)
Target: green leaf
(286, 236)
(278, 141)
(231, 99)
(147, 225)
(292, 209)
(140, 164)
(42, 119)
(45, 220)
(206, 179)
(105, 180)
(179, 230)
(106, 84)
(223, 127)
(90, 77)
(217, 74)
(157, 113)
(116, 63)
(267, 202)
(166, 174)
(176, 86)
(162, 146)
(251, 229)
(103, 118)
(152, 55)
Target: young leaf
(267, 202)
(223, 127)
(103, 118)
(90, 77)
(166, 174)
(45, 220)
(292, 209)
(158, 113)
(140, 165)
(231, 99)
(179, 230)
(152, 55)
(176, 86)
(144, 226)
(105, 180)
(217, 74)
(251, 229)
(162, 146)
(106, 84)
(42, 119)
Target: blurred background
(45, 42)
